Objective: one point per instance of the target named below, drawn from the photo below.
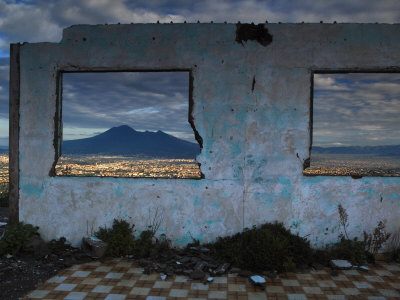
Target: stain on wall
(250, 104)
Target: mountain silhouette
(123, 140)
(390, 150)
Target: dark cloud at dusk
(143, 100)
(356, 109)
(159, 101)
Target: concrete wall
(251, 106)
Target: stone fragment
(222, 268)
(317, 266)
(258, 281)
(94, 247)
(197, 274)
(363, 268)
(185, 259)
(187, 272)
(341, 264)
(200, 265)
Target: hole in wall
(355, 125)
(127, 124)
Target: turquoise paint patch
(32, 190)
(286, 193)
(197, 201)
(118, 191)
(370, 192)
(295, 224)
(120, 207)
(395, 196)
(215, 205)
(264, 198)
(284, 180)
(211, 222)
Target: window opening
(127, 124)
(356, 125)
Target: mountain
(3, 150)
(124, 140)
(391, 150)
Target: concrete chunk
(94, 247)
(341, 264)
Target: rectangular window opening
(126, 124)
(355, 125)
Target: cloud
(143, 100)
(4, 75)
(365, 113)
(43, 20)
(358, 101)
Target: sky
(43, 21)
(356, 109)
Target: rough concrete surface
(251, 107)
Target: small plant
(394, 245)
(120, 238)
(373, 242)
(268, 247)
(156, 221)
(15, 236)
(353, 250)
(343, 218)
(144, 243)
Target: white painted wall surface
(251, 138)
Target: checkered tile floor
(123, 279)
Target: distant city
(353, 165)
(122, 166)
(124, 152)
(139, 167)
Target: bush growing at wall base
(268, 247)
(15, 236)
(120, 238)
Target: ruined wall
(251, 106)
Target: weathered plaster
(251, 107)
